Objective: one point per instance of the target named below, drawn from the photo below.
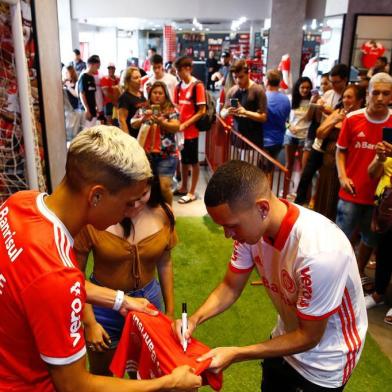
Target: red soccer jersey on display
(359, 136)
(148, 345)
(183, 97)
(41, 295)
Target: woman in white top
(299, 123)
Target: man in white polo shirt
(309, 271)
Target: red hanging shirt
(149, 345)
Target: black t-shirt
(131, 103)
(86, 84)
(254, 100)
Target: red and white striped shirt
(42, 295)
(310, 272)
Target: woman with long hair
(299, 123)
(128, 256)
(73, 116)
(130, 100)
(328, 189)
(158, 126)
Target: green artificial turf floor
(200, 261)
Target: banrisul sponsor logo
(9, 236)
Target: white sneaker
(371, 303)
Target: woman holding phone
(157, 126)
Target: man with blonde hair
(42, 291)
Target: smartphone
(156, 110)
(387, 135)
(314, 91)
(234, 102)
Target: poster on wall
(12, 154)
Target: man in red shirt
(42, 291)
(360, 133)
(190, 96)
(110, 92)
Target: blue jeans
(164, 167)
(113, 321)
(350, 216)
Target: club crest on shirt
(287, 281)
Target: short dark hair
(156, 59)
(183, 61)
(153, 49)
(238, 66)
(94, 59)
(77, 52)
(237, 183)
(274, 77)
(383, 59)
(341, 70)
(325, 75)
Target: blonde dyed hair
(380, 77)
(107, 156)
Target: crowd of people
(311, 125)
(115, 202)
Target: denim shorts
(293, 141)
(350, 216)
(113, 321)
(165, 167)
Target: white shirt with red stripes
(310, 272)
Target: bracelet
(118, 300)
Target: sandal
(187, 199)
(179, 193)
(388, 317)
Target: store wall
(360, 7)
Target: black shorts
(190, 152)
(108, 109)
(278, 375)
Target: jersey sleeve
(53, 305)
(200, 94)
(241, 259)
(122, 102)
(81, 84)
(344, 135)
(321, 281)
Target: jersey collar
(48, 214)
(285, 227)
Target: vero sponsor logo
(76, 309)
(306, 288)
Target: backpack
(205, 122)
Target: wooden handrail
(254, 147)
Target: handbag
(382, 216)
